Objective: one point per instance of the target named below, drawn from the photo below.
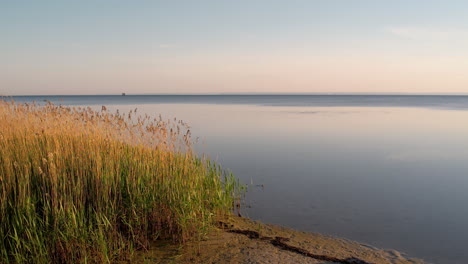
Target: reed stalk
(85, 186)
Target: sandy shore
(240, 240)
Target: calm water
(390, 171)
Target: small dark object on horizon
(123, 94)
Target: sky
(211, 47)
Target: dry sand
(222, 246)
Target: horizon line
(237, 94)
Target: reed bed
(85, 186)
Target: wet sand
(241, 240)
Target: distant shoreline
(453, 102)
(250, 94)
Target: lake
(390, 171)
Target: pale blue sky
(106, 47)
